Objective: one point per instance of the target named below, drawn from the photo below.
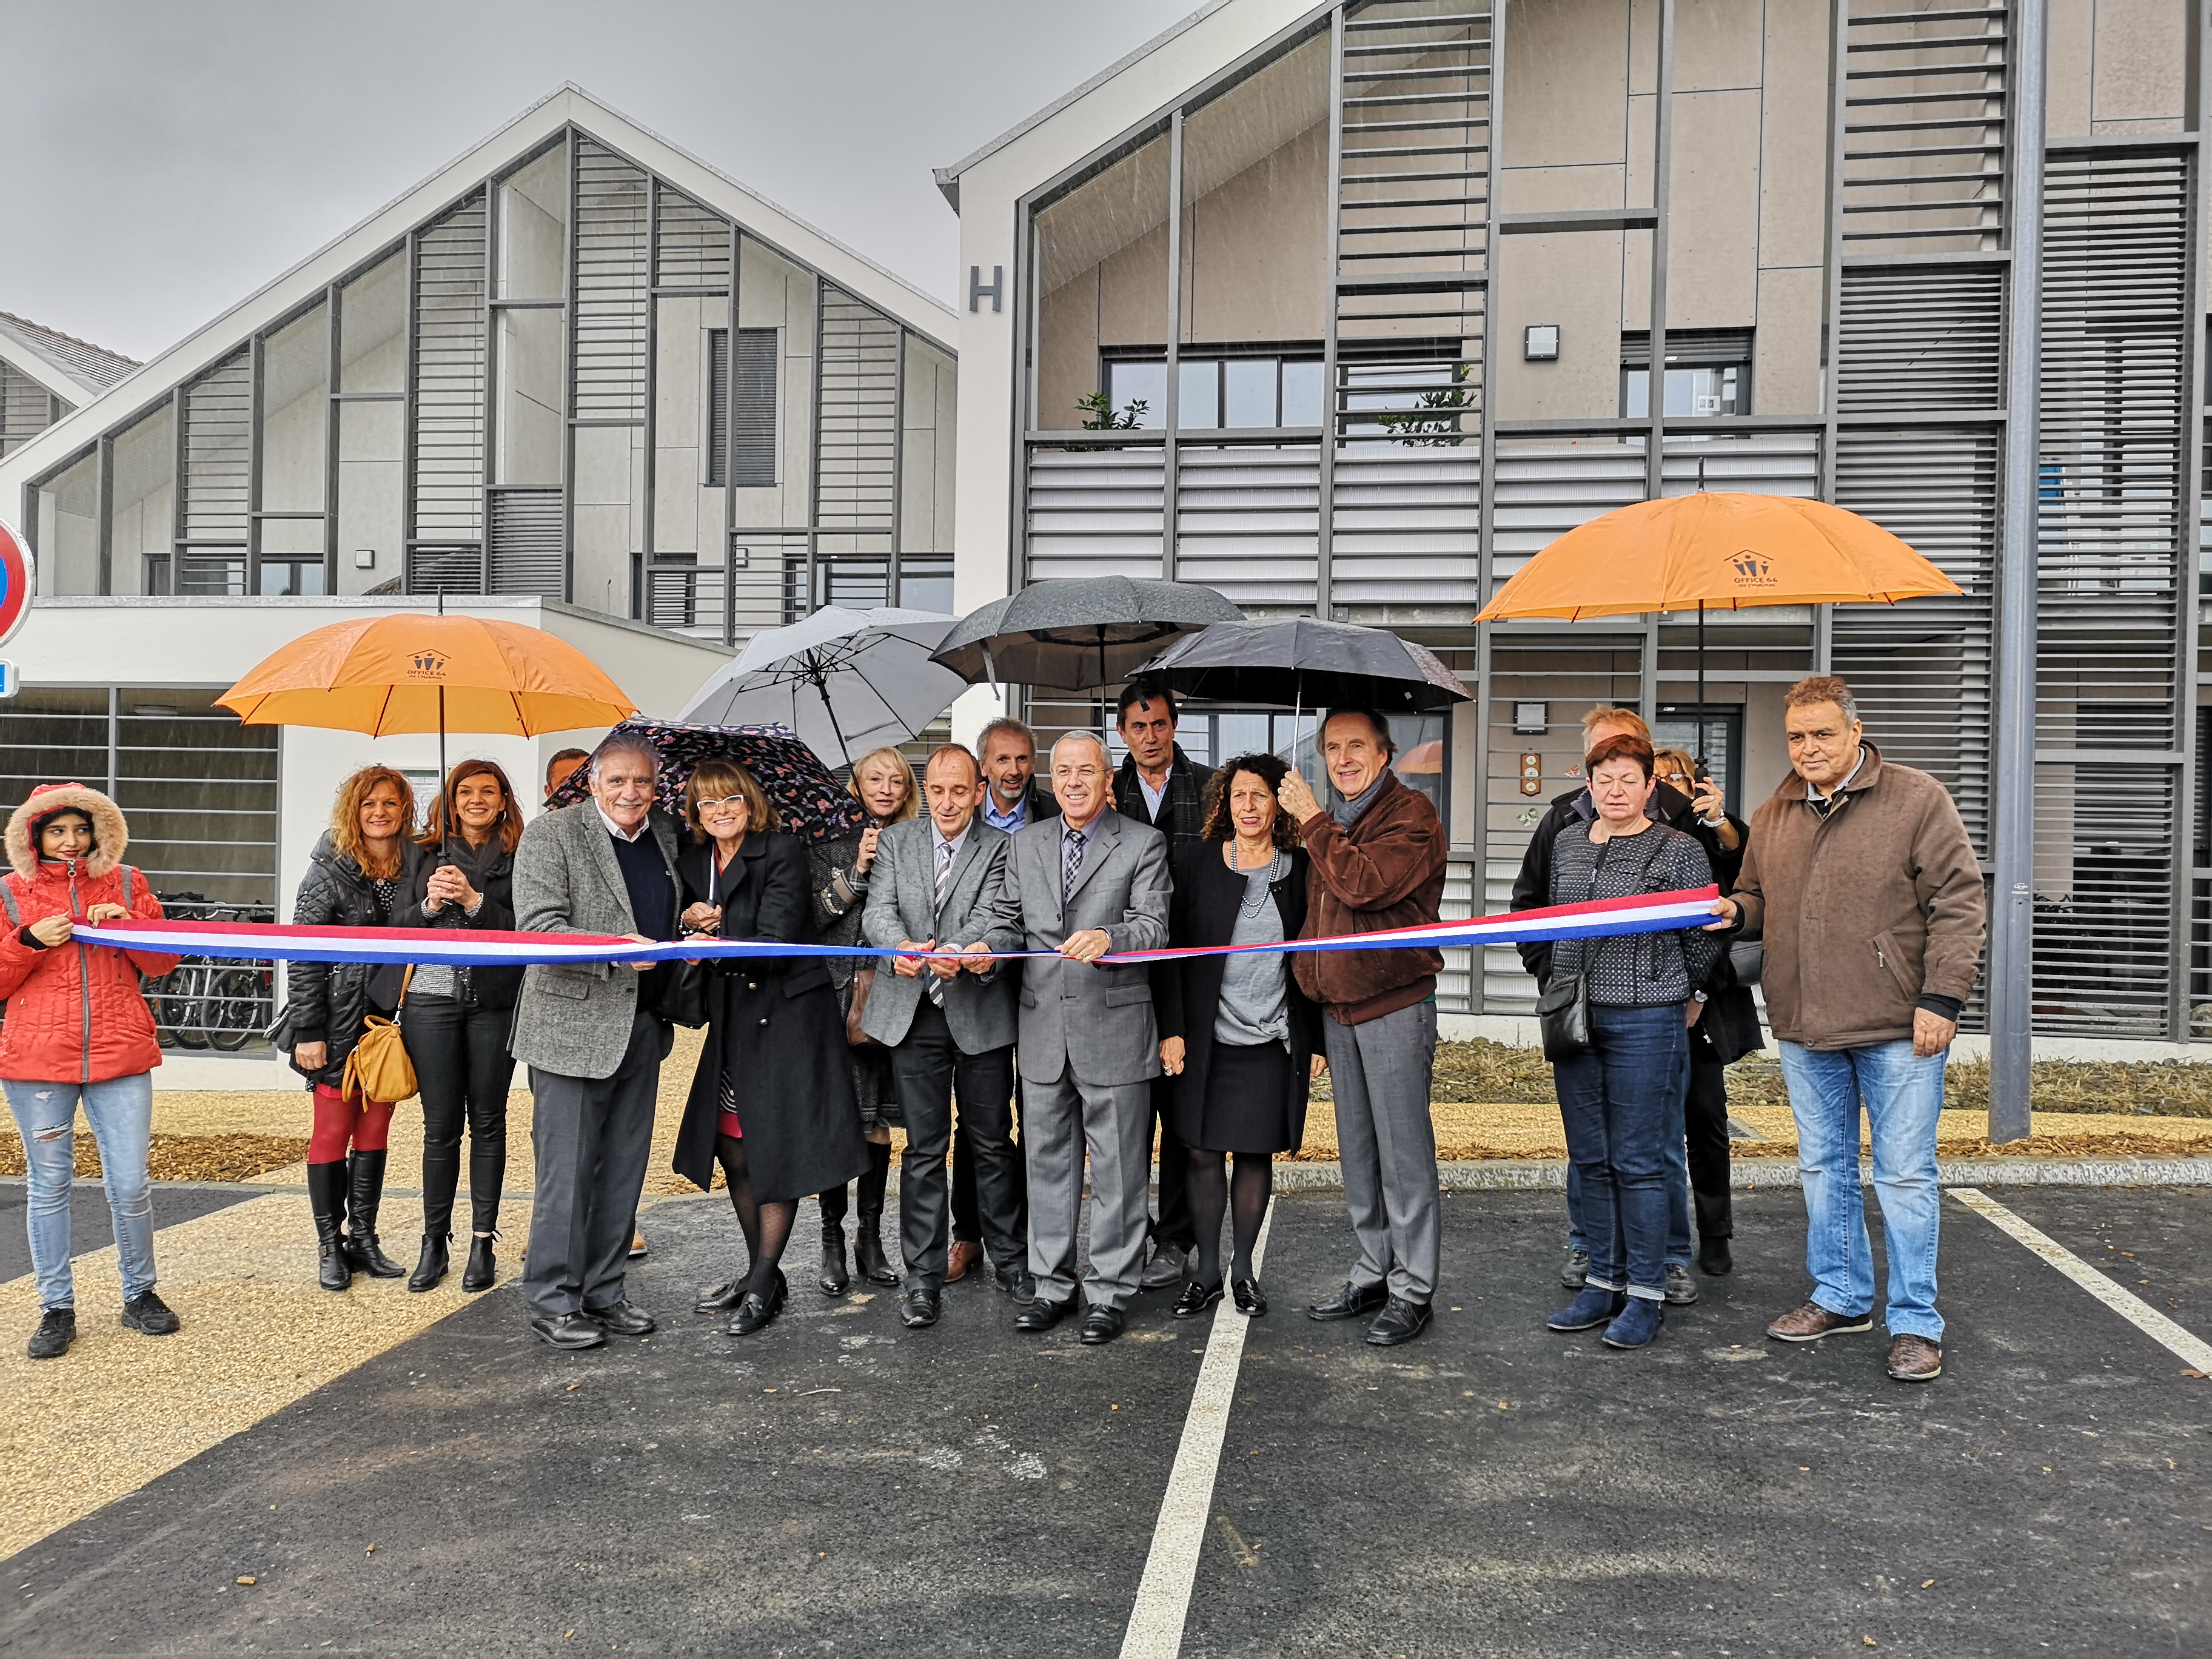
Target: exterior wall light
(1529, 719)
(1540, 342)
(364, 558)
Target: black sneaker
(149, 1316)
(57, 1330)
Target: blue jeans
(1678, 1194)
(121, 1113)
(1903, 1094)
(1621, 1100)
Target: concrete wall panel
(1717, 44)
(2070, 32)
(1785, 378)
(1713, 217)
(1572, 279)
(1563, 190)
(1793, 143)
(1566, 62)
(2141, 53)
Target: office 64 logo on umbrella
(426, 665)
(16, 583)
(1752, 569)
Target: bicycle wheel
(235, 1006)
(177, 1011)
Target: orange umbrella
(409, 673)
(1719, 550)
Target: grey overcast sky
(165, 158)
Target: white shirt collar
(643, 824)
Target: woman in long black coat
(1237, 1036)
(773, 1098)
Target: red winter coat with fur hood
(75, 1012)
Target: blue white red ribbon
(457, 947)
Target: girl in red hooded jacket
(78, 1031)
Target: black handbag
(681, 994)
(1563, 1011)
(1747, 960)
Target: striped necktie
(1070, 862)
(946, 851)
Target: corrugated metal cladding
(1380, 511)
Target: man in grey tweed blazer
(1087, 883)
(940, 882)
(593, 1042)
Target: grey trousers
(1386, 1139)
(592, 1137)
(1059, 1120)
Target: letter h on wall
(978, 289)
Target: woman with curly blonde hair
(362, 871)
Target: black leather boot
(483, 1270)
(367, 1196)
(832, 1278)
(436, 1257)
(868, 1250)
(326, 1195)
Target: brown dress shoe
(1813, 1321)
(1915, 1360)
(965, 1255)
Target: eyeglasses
(722, 804)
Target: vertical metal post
(571, 287)
(1486, 504)
(255, 407)
(2012, 750)
(729, 455)
(818, 378)
(1170, 452)
(1655, 377)
(180, 461)
(114, 737)
(410, 409)
(2189, 718)
(893, 565)
(1325, 539)
(649, 418)
(1832, 294)
(103, 475)
(333, 317)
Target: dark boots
(482, 1271)
(326, 1195)
(436, 1257)
(868, 1250)
(832, 1278)
(366, 1196)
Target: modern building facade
(1348, 309)
(46, 374)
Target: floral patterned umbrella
(812, 803)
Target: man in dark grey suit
(593, 1041)
(1085, 883)
(939, 884)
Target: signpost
(17, 583)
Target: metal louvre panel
(449, 375)
(1921, 671)
(1247, 520)
(1753, 464)
(754, 452)
(2104, 898)
(26, 409)
(857, 436)
(610, 286)
(1455, 984)
(1547, 486)
(1406, 526)
(446, 569)
(526, 553)
(1921, 338)
(694, 244)
(1094, 512)
(218, 448)
(1924, 127)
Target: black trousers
(932, 1073)
(1174, 1227)
(464, 1072)
(967, 1213)
(1704, 1122)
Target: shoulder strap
(7, 900)
(127, 872)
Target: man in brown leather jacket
(1378, 863)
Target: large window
(1218, 388)
(1708, 372)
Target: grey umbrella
(845, 681)
(1308, 663)
(1072, 634)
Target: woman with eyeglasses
(1727, 1028)
(772, 1102)
(837, 876)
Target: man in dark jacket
(1863, 884)
(1160, 785)
(1532, 890)
(1378, 863)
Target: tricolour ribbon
(455, 947)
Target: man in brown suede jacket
(1863, 882)
(1378, 863)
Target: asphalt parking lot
(841, 1484)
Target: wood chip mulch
(184, 1157)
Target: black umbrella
(1073, 634)
(812, 805)
(1307, 664)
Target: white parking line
(1164, 1598)
(2129, 1306)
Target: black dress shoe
(1015, 1281)
(622, 1319)
(1102, 1324)
(569, 1331)
(918, 1308)
(482, 1270)
(1400, 1321)
(720, 1298)
(1349, 1302)
(1195, 1299)
(1714, 1259)
(758, 1308)
(1250, 1302)
(1039, 1315)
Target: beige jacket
(1862, 912)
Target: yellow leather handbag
(378, 1069)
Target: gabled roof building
(45, 374)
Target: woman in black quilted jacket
(1617, 1097)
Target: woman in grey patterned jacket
(1621, 1097)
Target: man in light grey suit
(593, 1042)
(1084, 884)
(939, 884)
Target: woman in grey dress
(1240, 1040)
(882, 782)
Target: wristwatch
(1700, 996)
